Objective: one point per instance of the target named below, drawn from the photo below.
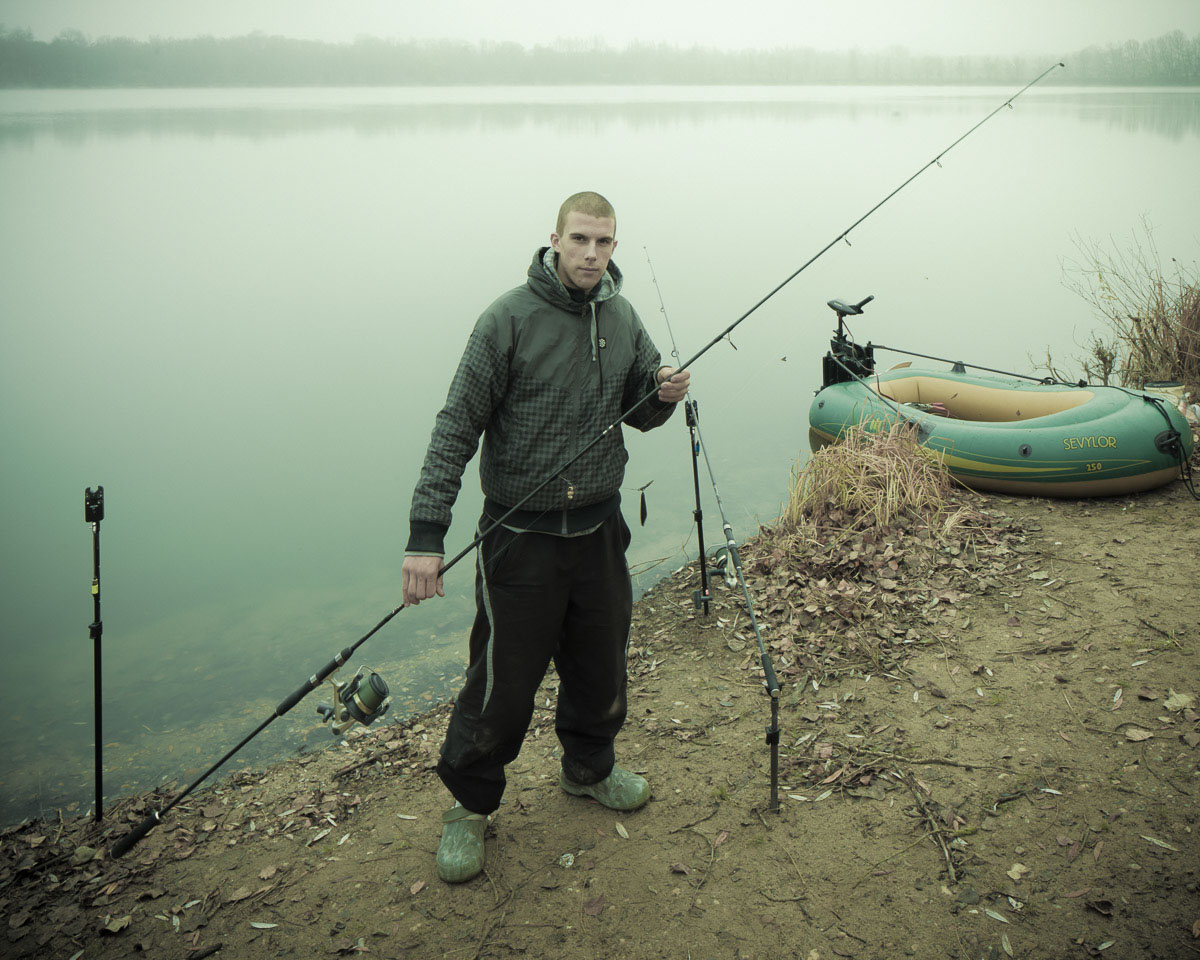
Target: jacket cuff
(427, 537)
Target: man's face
(584, 249)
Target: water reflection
(26, 116)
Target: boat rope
(125, 843)
(1173, 442)
(975, 366)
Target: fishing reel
(362, 699)
(722, 559)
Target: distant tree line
(72, 60)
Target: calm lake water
(239, 311)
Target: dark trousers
(539, 598)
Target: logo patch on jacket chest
(602, 343)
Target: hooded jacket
(542, 375)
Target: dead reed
(1150, 314)
(871, 480)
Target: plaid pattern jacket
(541, 376)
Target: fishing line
(123, 845)
(701, 597)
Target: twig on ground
(708, 816)
(1072, 709)
(878, 864)
(1160, 631)
(941, 761)
(932, 821)
(345, 771)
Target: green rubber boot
(620, 790)
(460, 853)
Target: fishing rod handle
(772, 680)
(731, 543)
(313, 682)
(134, 836)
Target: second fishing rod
(129, 840)
(732, 556)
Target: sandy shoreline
(1020, 778)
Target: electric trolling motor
(846, 359)
(362, 699)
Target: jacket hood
(545, 282)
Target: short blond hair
(589, 203)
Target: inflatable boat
(1003, 433)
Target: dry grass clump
(1152, 315)
(871, 480)
(874, 551)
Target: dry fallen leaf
(117, 924)
(595, 906)
(417, 887)
(241, 893)
(267, 873)
(621, 831)
(1137, 734)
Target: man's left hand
(673, 386)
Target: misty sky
(934, 26)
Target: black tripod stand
(93, 513)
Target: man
(548, 366)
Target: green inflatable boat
(1001, 433)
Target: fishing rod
(123, 845)
(733, 562)
(772, 682)
(701, 595)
